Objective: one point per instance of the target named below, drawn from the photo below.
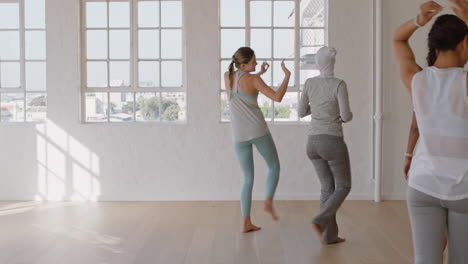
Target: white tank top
(440, 163)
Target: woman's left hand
(427, 11)
(264, 67)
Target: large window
(133, 62)
(22, 61)
(290, 30)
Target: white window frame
(22, 61)
(133, 61)
(297, 56)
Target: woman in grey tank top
(249, 127)
(326, 99)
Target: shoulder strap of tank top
(236, 79)
(238, 75)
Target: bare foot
(318, 232)
(340, 240)
(250, 228)
(269, 209)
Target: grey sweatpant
(433, 220)
(329, 155)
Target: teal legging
(267, 149)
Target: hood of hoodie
(325, 60)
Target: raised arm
(277, 95)
(402, 50)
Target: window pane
(119, 44)
(308, 53)
(12, 107)
(278, 74)
(171, 44)
(119, 15)
(119, 74)
(36, 76)
(171, 74)
(311, 40)
(266, 105)
(261, 42)
(35, 45)
(284, 15)
(287, 109)
(232, 13)
(97, 74)
(148, 44)
(148, 14)
(34, 13)
(96, 14)
(10, 75)
(148, 74)
(260, 13)
(9, 15)
(148, 107)
(231, 40)
(313, 13)
(307, 72)
(96, 107)
(284, 43)
(225, 114)
(36, 107)
(171, 14)
(224, 68)
(9, 45)
(121, 107)
(173, 107)
(96, 47)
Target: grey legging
(329, 155)
(432, 220)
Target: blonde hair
(242, 56)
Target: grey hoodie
(325, 98)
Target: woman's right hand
(407, 166)
(460, 7)
(287, 73)
(427, 11)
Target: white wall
(64, 159)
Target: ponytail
(242, 56)
(431, 56)
(231, 72)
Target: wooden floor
(197, 232)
